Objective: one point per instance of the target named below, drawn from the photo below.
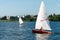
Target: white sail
(42, 19)
(20, 20)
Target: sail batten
(42, 19)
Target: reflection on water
(42, 36)
(20, 25)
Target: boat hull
(41, 32)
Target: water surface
(14, 31)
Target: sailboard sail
(20, 20)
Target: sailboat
(20, 20)
(42, 24)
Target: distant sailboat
(20, 21)
(42, 23)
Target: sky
(27, 7)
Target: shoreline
(24, 21)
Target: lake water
(14, 31)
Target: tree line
(12, 18)
(52, 17)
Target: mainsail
(42, 19)
(20, 20)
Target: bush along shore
(28, 18)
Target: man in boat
(43, 31)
